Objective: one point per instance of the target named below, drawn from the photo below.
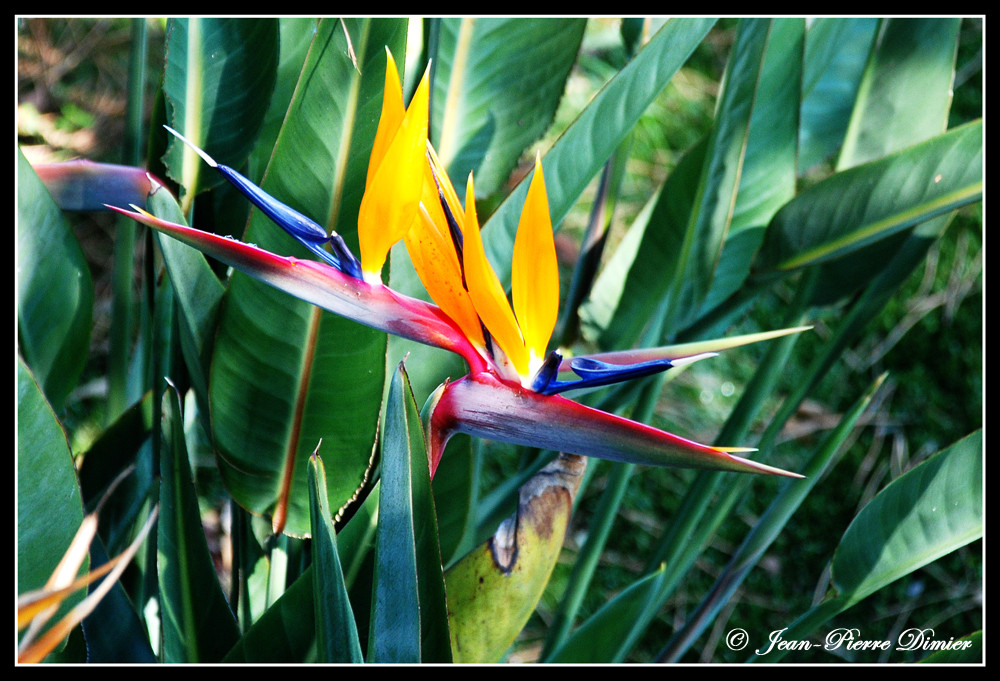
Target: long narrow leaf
(582, 150)
(336, 632)
(926, 513)
(904, 98)
(409, 619)
(859, 206)
(48, 514)
(198, 625)
(765, 531)
(836, 51)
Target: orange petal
(391, 117)
(433, 256)
(395, 188)
(534, 271)
(487, 293)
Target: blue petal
(308, 232)
(594, 373)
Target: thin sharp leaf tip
(205, 157)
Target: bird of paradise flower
(511, 390)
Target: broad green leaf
(493, 590)
(409, 621)
(766, 176)
(49, 508)
(295, 35)
(286, 375)
(836, 52)
(54, 291)
(864, 204)
(218, 79)
(490, 100)
(598, 638)
(636, 278)
(904, 99)
(905, 92)
(197, 624)
(336, 632)
(926, 513)
(582, 150)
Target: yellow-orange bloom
(409, 196)
(396, 172)
(524, 331)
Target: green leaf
(336, 632)
(905, 91)
(742, 184)
(836, 52)
(198, 290)
(49, 508)
(198, 625)
(55, 296)
(904, 99)
(864, 204)
(218, 79)
(285, 633)
(926, 513)
(766, 176)
(599, 637)
(635, 280)
(409, 621)
(726, 187)
(490, 100)
(295, 36)
(582, 150)
(285, 374)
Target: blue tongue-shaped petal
(308, 232)
(595, 373)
